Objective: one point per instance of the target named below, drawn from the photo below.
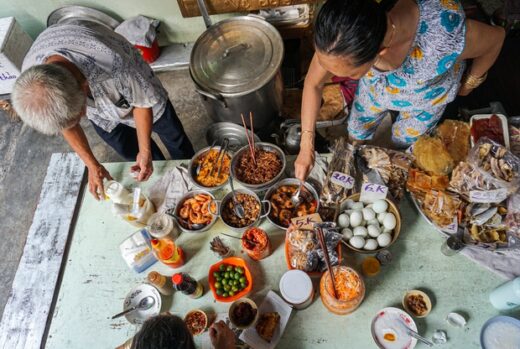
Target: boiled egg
(368, 214)
(356, 218)
(384, 239)
(361, 231)
(380, 206)
(370, 245)
(343, 220)
(374, 230)
(389, 221)
(347, 233)
(357, 241)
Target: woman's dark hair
(163, 332)
(353, 28)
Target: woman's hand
(143, 166)
(304, 163)
(96, 174)
(221, 336)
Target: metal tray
(510, 246)
(68, 14)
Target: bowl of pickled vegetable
(230, 279)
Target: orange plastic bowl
(237, 262)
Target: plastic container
(162, 226)
(506, 296)
(503, 121)
(256, 243)
(117, 193)
(350, 287)
(237, 262)
(136, 252)
(296, 289)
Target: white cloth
(166, 192)
(505, 264)
(118, 77)
(139, 30)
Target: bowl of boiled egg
(369, 227)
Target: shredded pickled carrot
(348, 285)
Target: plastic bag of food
(336, 187)
(384, 165)
(332, 239)
(455, 136)
(476, 187)
(441, 207)
(513, 215)
(495, 161)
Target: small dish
(389, 329)
(133, 298)
(197, 321)
(500, 332)
(417, 293)
(232, 313)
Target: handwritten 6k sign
(371, 192)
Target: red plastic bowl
(237, 262)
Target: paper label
(342, 179)
(488, 196)
(306, 222)
(371, 192)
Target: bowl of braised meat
(254, 210)
(269, 166)
(282, 208)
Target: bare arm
(483, 45)
(143, 123)
(311, 103)
(96, 172)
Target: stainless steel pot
(265, 209)
(192, 169)
(235, 65)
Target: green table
(96, 280)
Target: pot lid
(237, 55)
(296, 286)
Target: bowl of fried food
(254, 210)
(197, 211)
(261, 172)
(282, 208)
(209, 168)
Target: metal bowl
(233, 132)
(187, 196)
(193, 166)
(229, 196)
(295, 182)
(263, 146)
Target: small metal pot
(295, 182)
(235, 65)
(263, 146)
(229, 196)
(192, 167)
(189, 195)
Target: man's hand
(304, 164)
(143, 166)
(96, 174)
(221, 336)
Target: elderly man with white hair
(79, 69)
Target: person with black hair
(409, 57)
(168, 331)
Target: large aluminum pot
(235, 65)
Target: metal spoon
(296, 199)
(417, 335)
(237, 206)
(191, 226)
(144, 304)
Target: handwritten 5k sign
(371, 192)
(342, 179)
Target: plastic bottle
(123, 202)
(168, 253)
(187, 285)
(117, 193)
(161, 282)
(506, 296)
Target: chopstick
(252, 135)
(251, 144)
(241, 238)
(321, 239)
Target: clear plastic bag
(513, 215)
(474, 186)
(496, 162)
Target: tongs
(220, 158)
(199, 166)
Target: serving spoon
(191, 226)
(296, 199)
(144, 304)
(237, 206)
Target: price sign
(371, 192)
(306, 222)
(488, 196)
(342, 179)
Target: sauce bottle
(162, 283)
(187, 285)
(168, 253)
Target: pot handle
(268, 204)
(215, 96)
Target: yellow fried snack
(431, 156)
(455, 136)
